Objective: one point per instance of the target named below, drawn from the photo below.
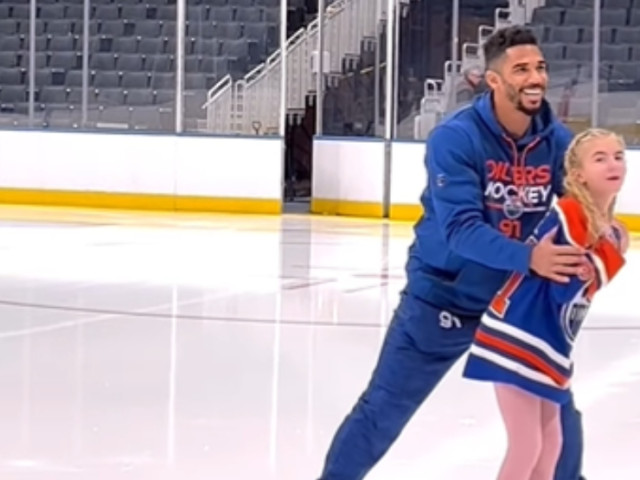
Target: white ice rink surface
(231, 347)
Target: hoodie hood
(541, 126)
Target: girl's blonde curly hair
(596, 220)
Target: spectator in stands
(564, 107)
(472, 84)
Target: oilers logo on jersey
(526, 336)
(575, 311)
(513, 208)
(572, 317)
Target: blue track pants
(421, 345)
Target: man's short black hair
(501, 40)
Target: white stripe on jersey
(528, 339)
(514, 366)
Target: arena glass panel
(232, 65)
(131, 66)
(16, 21)
(59, 56)
(579, 94)
(618, 57)
(439, 61)
(353, 69)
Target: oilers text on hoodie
(485, 194)
(526, 335)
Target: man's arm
(458, 201)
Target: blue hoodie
(485, 194)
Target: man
(493, 169)
(471, 84)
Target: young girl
(525, 338)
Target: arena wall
(408, 177)
(348, 177)
(138, 171)
(221, 174)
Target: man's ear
(492, 79)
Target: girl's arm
(604, 260)
(623, 234)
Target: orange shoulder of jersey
(573, 221)
(609, 260)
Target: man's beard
(515, 98)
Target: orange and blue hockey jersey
(526, 336)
